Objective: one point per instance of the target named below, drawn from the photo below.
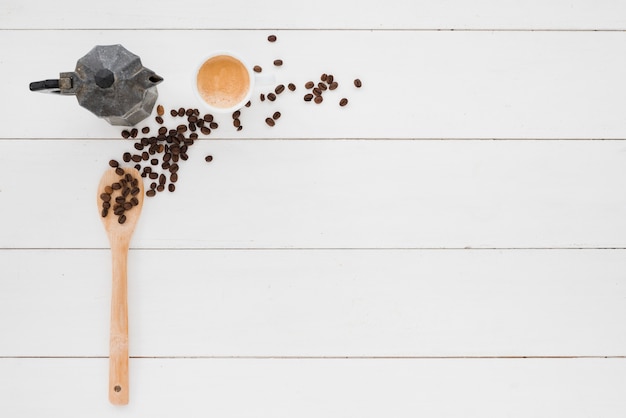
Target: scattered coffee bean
(257, 68)
(189, 112)
(236, 123)
(105, 197)
(330, 79)
(205, 130)
(160, 188)
(104, 213)
(333, 85)
(291, 86)
(357, 83)
(134, 132)
(308, 97)
(174, 177)
(126, 157)
(270, 121)
(213, 125)
(248, 104)
(279, 89)
(208, 117)
(278, 63)
(145, 130)
(151, 193)
(309, 85)
(322, 86)
(160, 110)
(276, 115)
(119, 171)
(159, 120)
(262, 97)
(125, 134)
(323, 77)
(271, 97)
(114, 163)
(236, 114)
(145, 156)
(318, 99)
(174, 112)
(171, 187)
(116, 186)
(343, 102)
(317, 91)
(208, 158)
(272, 38)
(127, 206)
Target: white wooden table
(450, 244)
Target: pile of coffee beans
(158, 157)
(121, 196)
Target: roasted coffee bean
(357, 83)
(343, 102)
(278, 63)
(153, 185)
(162, 130)
(192, 119)
(257, 68)
(236, 123)
(126, 157)
(138, 146)
(144, 141)
(145, 156)
(166, 157)
(174, 112)
(262, 97)
(159, 120)
(174, 177)
(154, 161)
(136, 158)
(105, 197)
(118, 210)
(174, 168)
(308, 97)
(119, 171)
(248, 104)
(323, 77)
(208, 117)
(309, 85)
(318, 99)
(205, 130)
(272, 38)
(145, 130)
(134, 201)
(279, 89)
(104, 213)
(181, 128)
(120, 199)
(108, 189)
(171, 187)
(162, 179)
(192, 137)
(147, 169)
(317, 91)
(134, 191)
(160, 188)
(236, 114)
(150, 193)
(125, 134)
(208, 158)
(322, 86)
(114, 163)
(271, 97)
(239, 128)
(127, 206)
(116, 186)
(160, 110)
(330, 79)
(291, 86)
(121, 219)
(153, 175)
(125, 191)
(333, 85)
(270, 121)
(189, 112)
(213, 125)
(181, 112)
(200, 123)
(106, 205)
(276, 115)
(134, 132)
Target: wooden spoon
(119, 237)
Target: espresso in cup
(224, 82)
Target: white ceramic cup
(221, 83)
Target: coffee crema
(223, 81)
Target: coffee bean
(192, 127)
(333, 85)
(138, 146)
(171, 187)
(357, 83)
(205, 130)
(116, 186)
(318, 99)
(154, 161)
(236, 114)
(162, 179)
(105, 212)
(134, 191)
(330, 79)
(323, 77)
(118, 210)
(108, 189)
(125, 191)
(120, 199)
(236, 123)
(145, 130)
(147, 169)
(308, 97)
(189, 112)
(125, 134)
(213, 125)
(174, 168)
(106, 205)
(248, 104)
(262, 97)
(271, 38)
(153, 176)
(174, 112)
(192, 119)
(136, 158)
(159, 120)
(153, 185)
(127, 206)
(126, 157)
(278, 63)
(208, 117)
(114, 163)
(181, 112)
(160, 110)
(208, 158)
(145, 156)
(309, 85)
(257, 68)
(174, 177)
(279, 89)
(134, 201)
(121, 219)
(276, 115)
(271, 97)
(162, 130)
(181, 128)
(150, 193)
(322, 86)
(239, 128)
(105, 197)
(343, 102)
(119, 171)
(134, 132)
(291, 86)
(270, 121)
(317, 91)
(160, 188)
(144, 141)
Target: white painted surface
(449, 244)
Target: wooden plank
(321, 14)
(329, 194)
(313, 388)
(319, 303)
(441, 85)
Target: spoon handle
(118, 344)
